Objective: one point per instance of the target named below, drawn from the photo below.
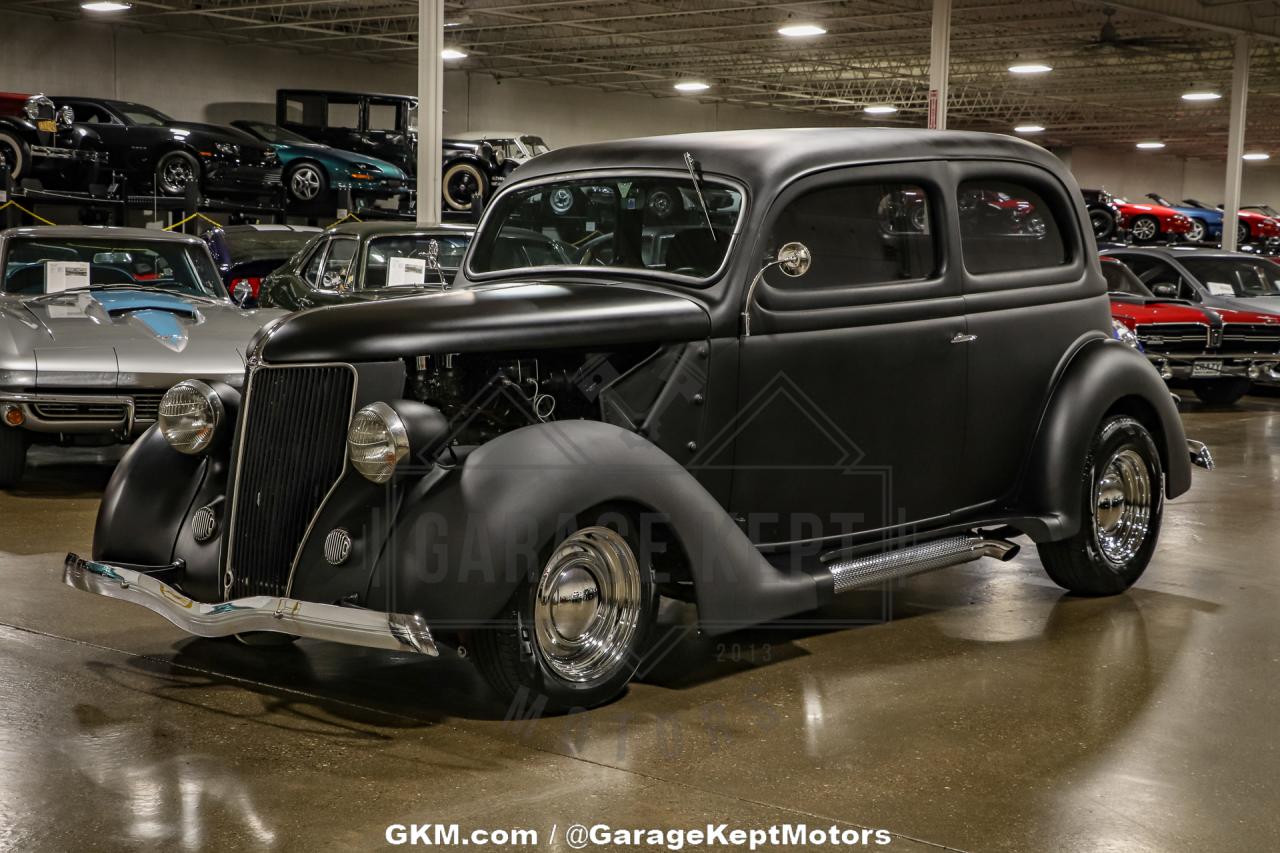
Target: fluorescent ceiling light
(1150, 145)
(1030, 68)
(105, 6)
(692, 86)
(879, 109)
(801, 30)
(1202, 95)
(453, 53)
(1028, 128)
(1257, 155)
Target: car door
(111, 130)
(849, 384)
(1031, 293)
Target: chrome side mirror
(794, 259)
(242, 295)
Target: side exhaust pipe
(862, 571)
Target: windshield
(1120, 279)
(255, 243)
(35, 266)
(637, 223)
(535, 145)
(1236, 276)
(274, 132)
(145, 116)
(399, 260)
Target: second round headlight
(376, 442)
(189, 417)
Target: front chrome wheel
(1196, 234)
(1144, 228)
(176, 172)
(305, 183)
(588, 605)
(1122, 506)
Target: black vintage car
(386, 126)
(799, 394)
(157, 152)
(39, 141)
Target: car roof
(767, 158)
(372, 229)
(491, 134)
(346, 94)
(99, 232)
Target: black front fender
(1103, 377)
(463, 543)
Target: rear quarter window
(1007, 226)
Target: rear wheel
(1144, 229)
(1242, 233)
(13, 156)
(1121, 481)
(1221, 392)
(461, 183)
(576, 631)
(13, 456)
(1104, 224)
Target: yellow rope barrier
(344, 219)
(12, 203)
(215, 223)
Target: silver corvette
(97, 323)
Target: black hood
(495, 318)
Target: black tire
(174, 171)
(1242, 233)
(13, 456)
(1221, 392)
(306, 183)
(514, 657)
(14, 156)
(1144, 229)
(1093, 561)
(1103, 222)
(461, 182)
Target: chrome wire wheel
(1122, 501)
(304, 183)
(588, 605)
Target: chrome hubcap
(1196, 234)
(176, 174)
(1122, 506)
(305, 183)
(1144, 229)
(460, 187)
(587, 606)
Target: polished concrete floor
(989, 712)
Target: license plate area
(1206, 368)
(47, 125)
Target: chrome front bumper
(353, 626)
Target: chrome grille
(75, 410)
(1173, 337)
(292, 450)
(1249, 338)
(146, 405)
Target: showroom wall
(207, 80)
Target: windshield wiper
(692, 166)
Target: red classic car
(1219, 351)
(1147, 223)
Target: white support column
(430, 107)
(939, 64)
(1235, 143)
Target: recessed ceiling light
(801, 30)
(1150, 145)
(692, 86)
(1202, 95)
(453, 53)
(1030, 68)
(105, 6)
(1257, 155)
(879, 109)
(1029, 128)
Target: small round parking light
(13, 416)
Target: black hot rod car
(819, 372)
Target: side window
(343, 114)
(866, 233)
(311, 274)
(338, 261)
(382, 117)
(305, 109)
(1006, 226)
(89, 114)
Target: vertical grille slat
(293, 450)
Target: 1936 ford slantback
(751, 370)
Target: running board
(849, 574)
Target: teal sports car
(313, 172)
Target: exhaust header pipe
(904, 562)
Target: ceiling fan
(1109, 39)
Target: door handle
(963, 338)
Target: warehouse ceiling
(1119, 68)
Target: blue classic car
(1206, 222)
(312, 171)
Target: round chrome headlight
(1125, 335)
(376, 442)
(190, 414)
(66, 117)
